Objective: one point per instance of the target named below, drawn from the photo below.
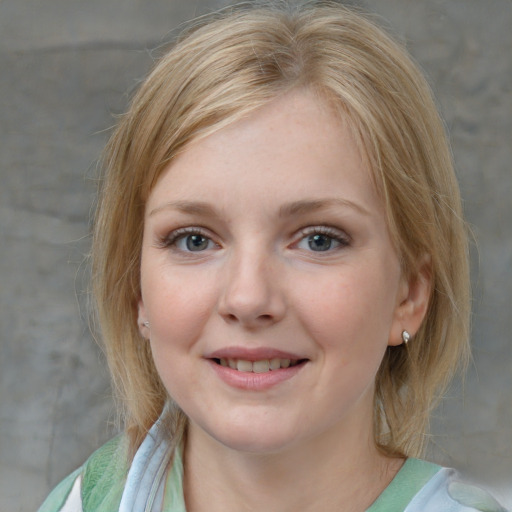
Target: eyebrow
(311, 205)
(288, 210)
(191, 207)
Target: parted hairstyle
(225, 66)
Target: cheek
(178, 309)
(351, 311)
(177, 304)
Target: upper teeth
(262, 366)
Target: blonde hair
(224, 67)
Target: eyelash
(335, 234)
(171, 240)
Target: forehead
(297, 143)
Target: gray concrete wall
(65, 66)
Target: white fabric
(74, 499)
(145, 483)
(444, 492)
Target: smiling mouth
(261, 366)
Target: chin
(255, 444)
(252, 438)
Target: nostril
(230, 317)
(259, 320)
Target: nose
(252, 294)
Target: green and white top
(105, 483)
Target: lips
(259, 368)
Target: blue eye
(321, 242)
(189, 240)
(322, 239)
(196, 242)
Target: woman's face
(269, 280)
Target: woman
(280, 267)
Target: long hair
(224, 67)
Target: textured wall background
(65, 68)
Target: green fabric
(104, 477)
(59, 495)
(413, 475)
(174, 501)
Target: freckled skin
(258, 279)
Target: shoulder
(97, 485)
(448, 492)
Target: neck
(328, 473)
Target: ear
(412, 302)
(142, 320)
